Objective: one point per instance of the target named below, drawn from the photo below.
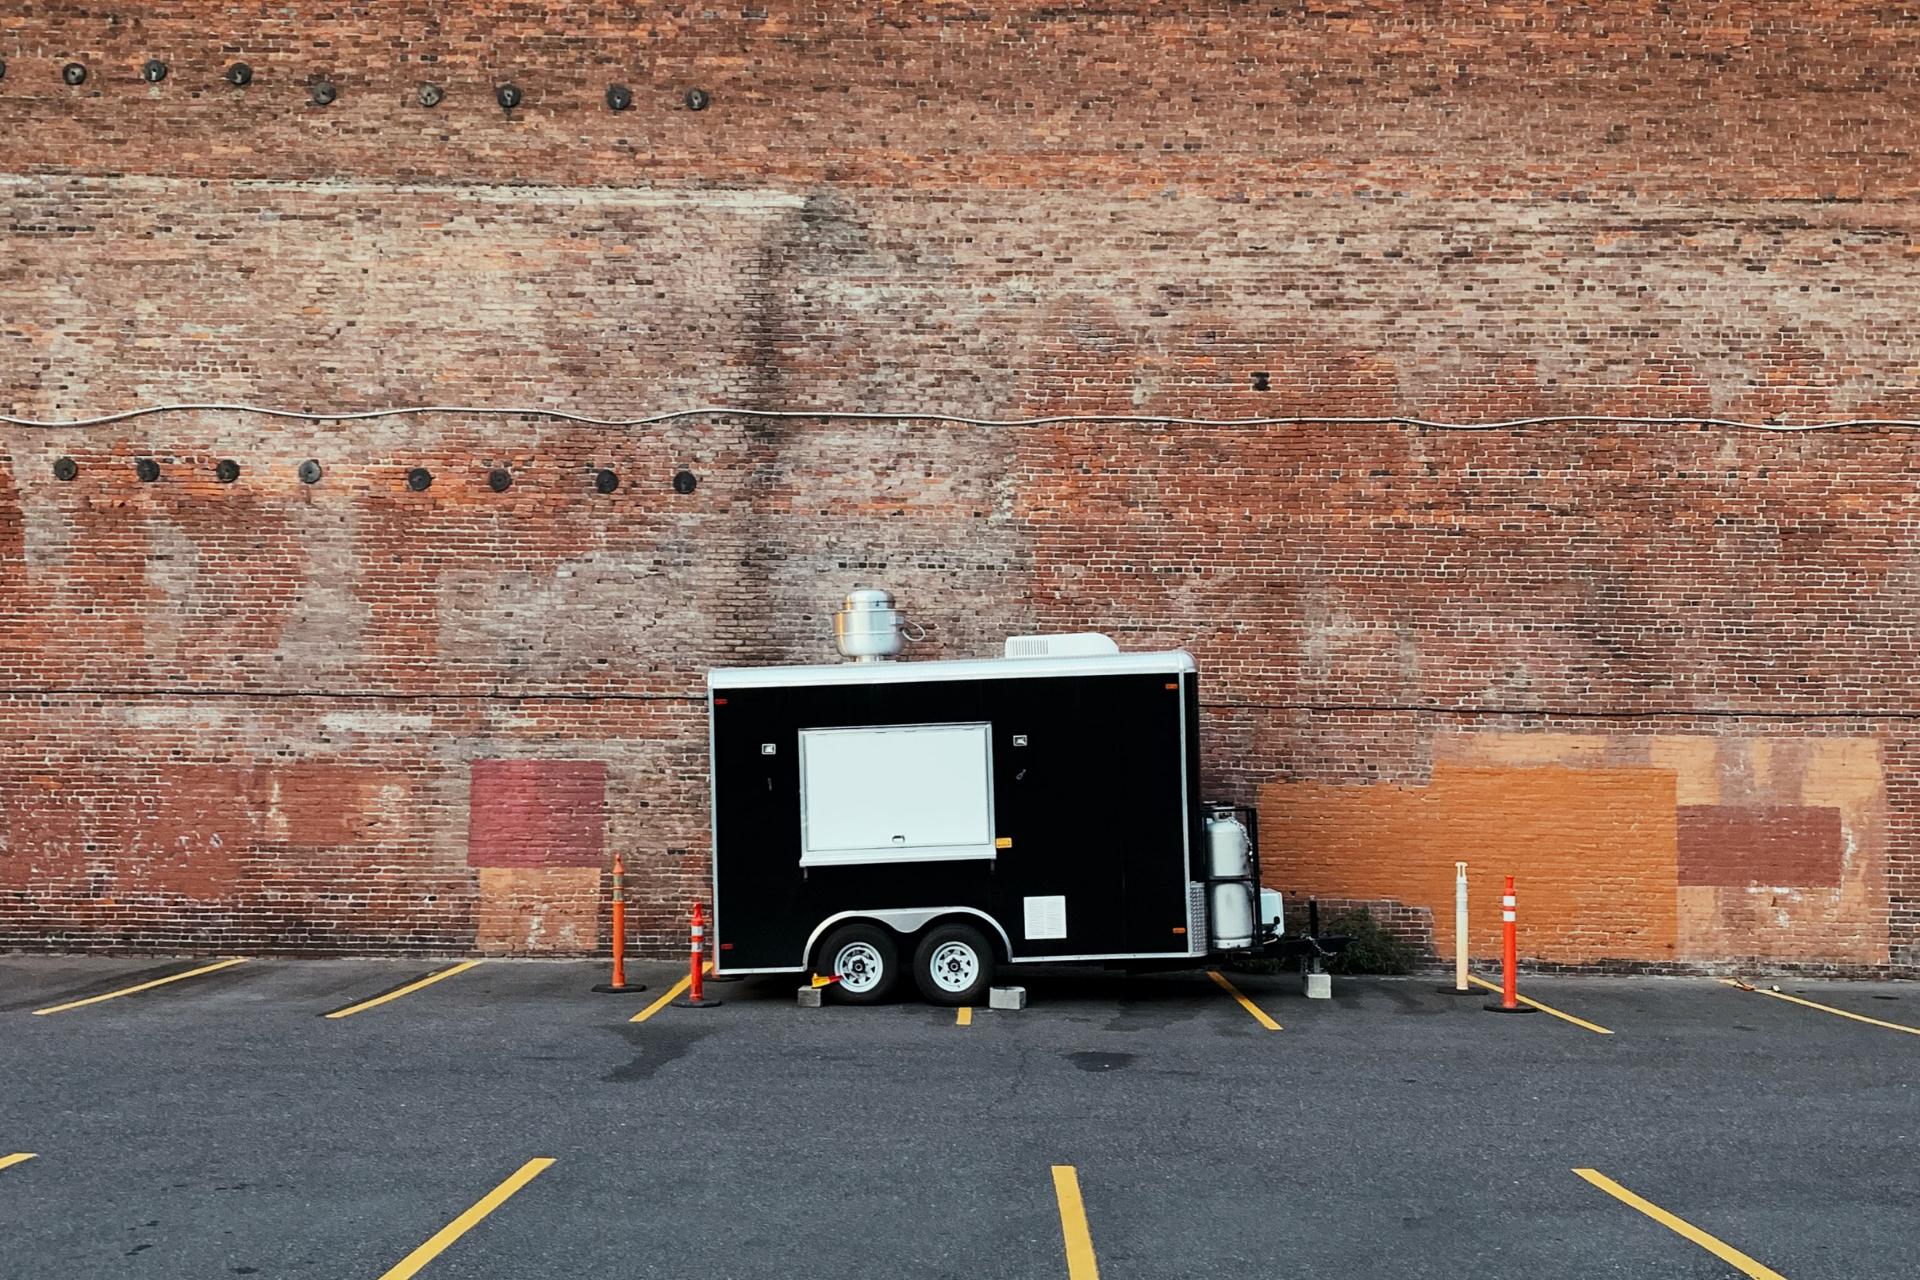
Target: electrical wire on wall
(955, 419)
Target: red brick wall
(1012, 209)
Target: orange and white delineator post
(1509, 956)
(619, 984)
(696, 997)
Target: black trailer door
(1094, 799)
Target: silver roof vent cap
(869, 629)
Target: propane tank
(1230, 882)
(1227, 847)
(1231, 920)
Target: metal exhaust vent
(868, 628)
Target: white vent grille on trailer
(1078, 644)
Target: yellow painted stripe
(446, 1235)
(1827, 1008)
(1073, 1225)
(144, 986)
(1712, 1244)
(1594, 1027)
(1252, 1008)
(407, 990)
(18, 1157)
(673, 993)
(964, 1016)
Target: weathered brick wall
(350, 715)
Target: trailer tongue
(877, 819)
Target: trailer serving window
(896, 793)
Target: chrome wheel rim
(955, 966)
(858, 966)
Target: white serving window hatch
(896, 793)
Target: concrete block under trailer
(873, 820)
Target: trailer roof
(1172, 661)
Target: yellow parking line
(672, 993)
(433, 1248)
(18, 1157)
(1073, 1225)
(409, 989)
(144, 986)
(963, 1017)
(1713, 1245)
(1594, 1027)
(1252, 1008)
(1826, 1008)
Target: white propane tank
(1231, 920)
(1230, 888)
(1227, 847)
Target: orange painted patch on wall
(1593, 851)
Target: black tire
(953, 964)
(859, 949)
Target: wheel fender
(908, 921)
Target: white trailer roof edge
(1170, 661)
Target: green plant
(1374, 948)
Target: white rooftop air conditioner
(1079, 644)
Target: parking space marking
(144, 986)
(672, 993)
(407, 990)
(963, 1016)
(1712, 1244)
(1824, 1008)
(18, 1157)
(437, 1244)
(1073, 1224)
(1259, 1014)
(1594, 1027)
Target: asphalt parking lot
(505, 1121)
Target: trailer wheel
(866, 960)
(953, 964)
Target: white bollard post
(1459, 987)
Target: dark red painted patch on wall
(537, 813)
(1738, 845)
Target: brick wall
(349, 715)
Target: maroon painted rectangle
(537, 813)
(1786, 845)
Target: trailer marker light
(726, 946)
(1172, 684)
(1003, 842)
(1179, 928)
(719, 702)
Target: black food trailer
(873, 819)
